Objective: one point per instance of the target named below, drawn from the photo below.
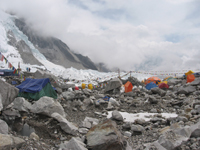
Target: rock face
(53, 49)
(8, 141)
(105, 136)
(47, 106)
(8, 93)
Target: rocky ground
(77, 120)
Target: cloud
(129, 34)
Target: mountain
(54, 49)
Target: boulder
(3, 127)
(186, 90)
(21, 104)
(47, 106)
(1, 105)
(113, 84)
(65, 125)
(68, 95)
(195, 129)
(105, 136)
(117, 116)
(159, 91)
(9, 141)
(74, 144)
(8, 93)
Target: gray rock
(8, 93)
(1, 105)
(152, 100)
(105, 136)
(74, 144)
(173, 82)
(137, 129)
(186, 90)
(8, 141)
(195, 129)
(47, 106)
(34, 136)
(65, 125)
(21, 104)
(113, 84)
(159, 91)
(117, 116)
(195, 82)
(3, 127)
(68, 95)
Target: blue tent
(36, 88)
(7, 72)
(150, 85)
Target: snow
(130, 117)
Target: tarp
(36, 88)
(189, 72)
(163, 86)
(153, 79)
(150, 85)
(128, 87)
(7, 72)
(190, 78)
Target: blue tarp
(32, 85)
(150, 85)
(7, 72)
(106, 98)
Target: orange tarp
(128, 87)
(156, 80)
(190, 78)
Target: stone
(186, 90)
(47, 106)
(74, 144)
(195, 129)
(105, 136)
(21, 104)
(65, 125)
(68, 95)
(34, 136)
(1, 104)
(113, 84)
(117, 116)
(137, 129)
(3, 127)
(9, 141)
(8, 93)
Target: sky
(161, 35)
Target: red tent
(76, 88)
(128, 87)
(163, 85)
(190, 78)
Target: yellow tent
(83, 85)
(163, 82)
(90, 86)
(189, 72)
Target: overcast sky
(129, 34)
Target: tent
(7, 72)
(163, 86)
(128, 87)
(190, 78)
(189, 72)
(150, 85)
(156, 80)
(36, 88)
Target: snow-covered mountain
(25, 49)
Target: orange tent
(156, 80)
(128, 87)
(190, 78)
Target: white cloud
(122, 34)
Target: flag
(2, 57)
(9, 65)
(14, 71)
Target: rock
(34, 136)
(74, 144)
(8, 141)
(117, 116)
(21, 104)
(137, 129)
(1, 105)
(83, 130)
(159, 91)
(195, 129)
(152, 100)
(105, 136)
(65, 125)
(68, 95)
(186, 90)
(113, 84)
(8, 93)
(3, 127)
(47, 106)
